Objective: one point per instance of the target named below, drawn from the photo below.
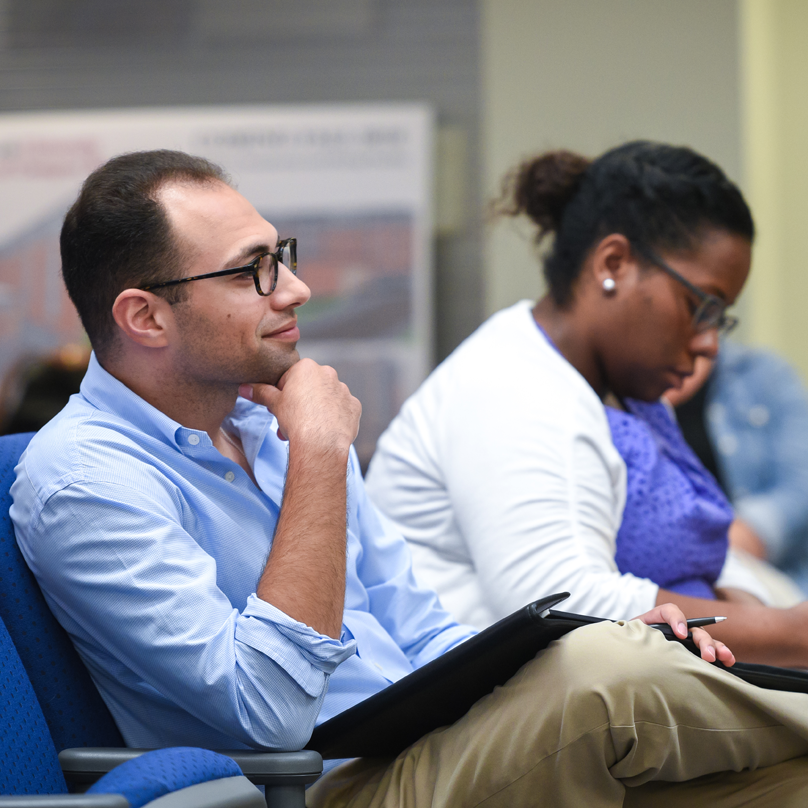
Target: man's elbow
(283, 725)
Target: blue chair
(30, 774)
(82, 728)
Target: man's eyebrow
(245, 254)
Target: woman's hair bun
(541, 187)
(660, 197)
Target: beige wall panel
(588, 74)
(775, 116)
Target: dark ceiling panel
(97, 23)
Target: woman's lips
(679, 377)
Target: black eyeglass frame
(291, 243)
(721, 320)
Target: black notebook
(443, 690)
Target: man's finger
(265, 394)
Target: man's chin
(272, 374)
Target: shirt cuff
(305, 654)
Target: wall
(774, 34)
(97, 54)
(588, 74)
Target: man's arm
(142, 602)
(305, 572)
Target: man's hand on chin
(313, 407)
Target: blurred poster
(352, 183)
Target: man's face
(226, 332)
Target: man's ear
(613, 262)
(145, 318)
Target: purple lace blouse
(676, 518)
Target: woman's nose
(705, 343)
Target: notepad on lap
(443, 691)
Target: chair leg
(286, 796)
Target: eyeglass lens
(268, 265)
(267, 274)
(712, 314)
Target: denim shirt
(757, 419)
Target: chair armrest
(277, 768)
(88, 764)
(65, 801)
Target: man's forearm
(305, 572)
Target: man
(227, 584)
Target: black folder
(443, 690)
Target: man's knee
(610, 655)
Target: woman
(501, 470)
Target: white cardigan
(501, 473)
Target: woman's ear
(613, 263)
(145, 318)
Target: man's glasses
(263, 268)
(711, 311)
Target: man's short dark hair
(117, 236)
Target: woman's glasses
(711, 311)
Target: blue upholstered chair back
(73, 709)
(28, 762)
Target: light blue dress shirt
(148, 545)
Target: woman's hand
(711, 650)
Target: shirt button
(193, 439)
(230, 476)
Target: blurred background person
(36, 388)
(745, 415)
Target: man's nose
(290, 291)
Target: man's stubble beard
(208, 362)
(275, 371)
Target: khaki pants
(593, 721)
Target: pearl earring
(609, 285)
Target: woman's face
(653, 345)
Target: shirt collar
(107, 394)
